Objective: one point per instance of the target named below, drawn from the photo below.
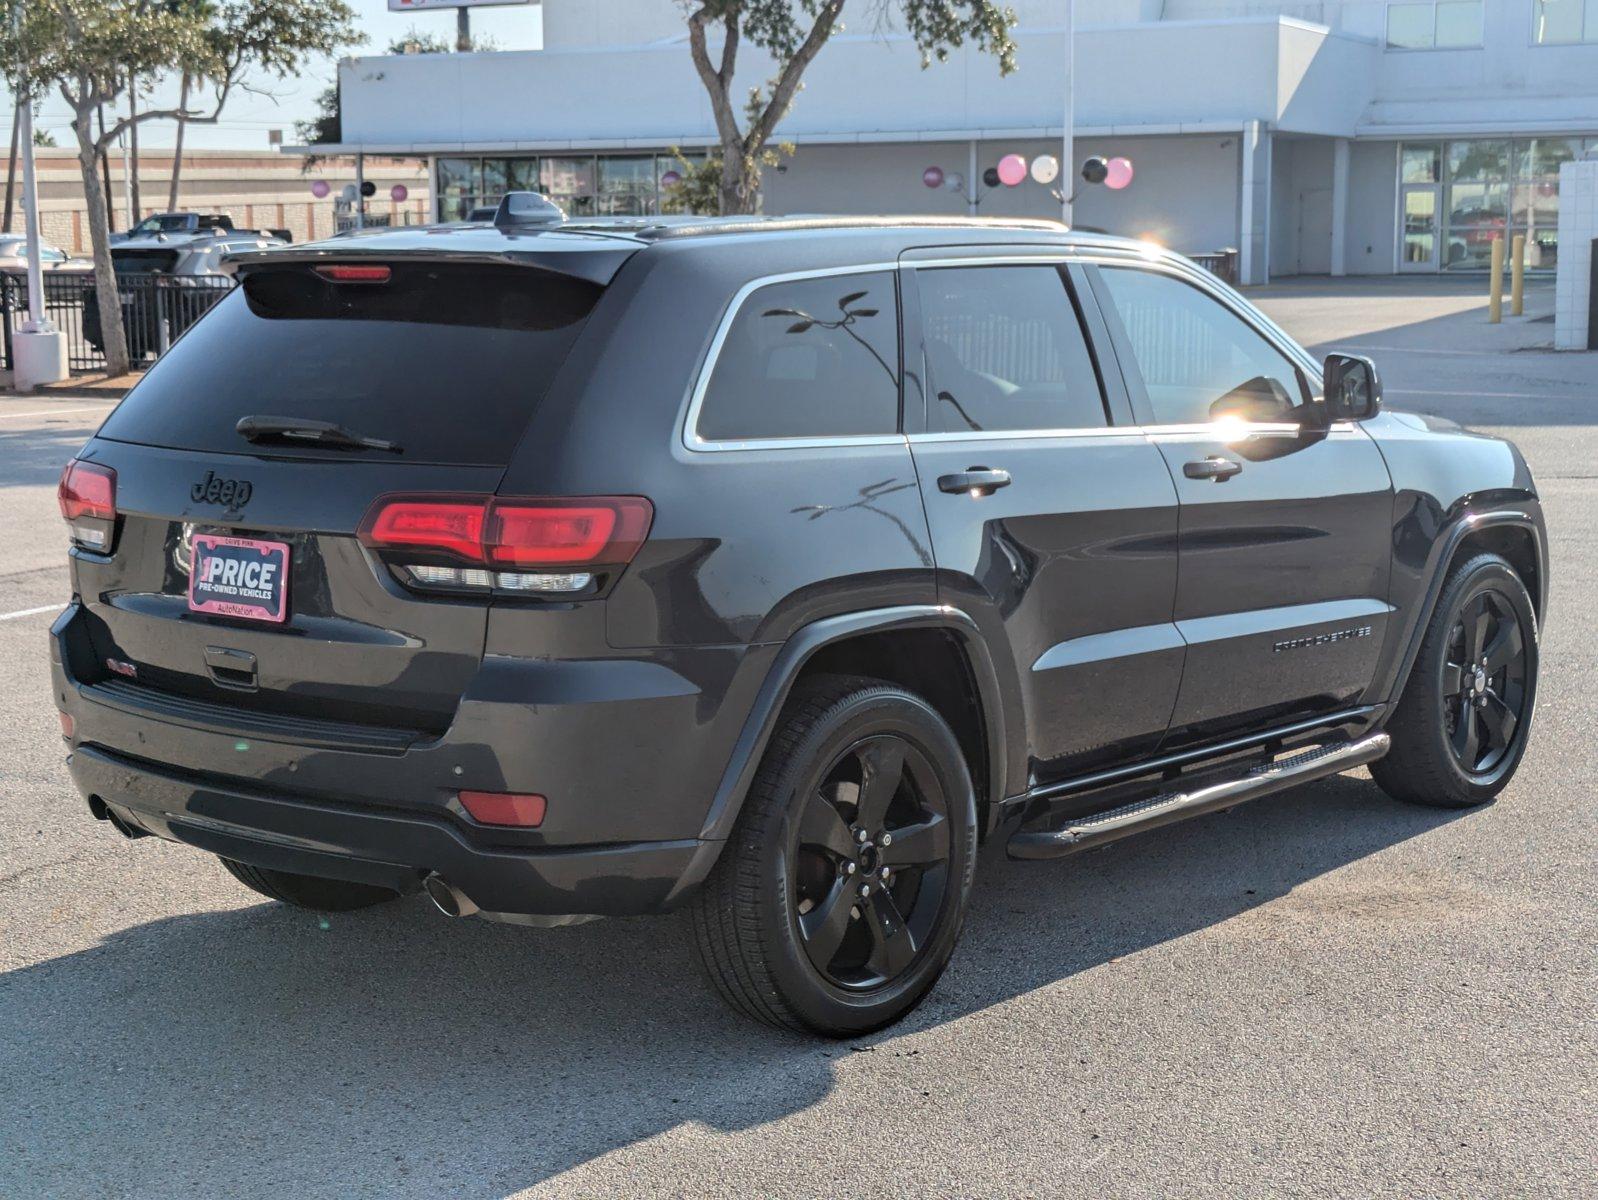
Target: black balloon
(1095, 170)
(990, 177)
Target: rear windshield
(139, 261)
(447, 361)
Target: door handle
(1214, 467)
(977, 481)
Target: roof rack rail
(704, 226)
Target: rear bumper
(386, 848)
(291, 797)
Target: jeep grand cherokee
(763, 569)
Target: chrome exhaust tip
(448, 898)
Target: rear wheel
(307, 891)
(1461, 725)
(838, 900)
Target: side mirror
(1352, 388)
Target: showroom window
(1459, 197)
(1564, 22)
(1434, 25)
(585, 185)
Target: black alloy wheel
(1484, 682)
(871, 859)
(839, 896)
(1462, 720)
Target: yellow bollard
(1517, 275)
(1495, 291)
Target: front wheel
(837, 901)
(1461, 724)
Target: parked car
(763, 569)
(186, 223)
(14, 256)
(177, 259)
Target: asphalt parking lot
(1321, 994)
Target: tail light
(88, 497)
(548, 545)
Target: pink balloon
(398, 192)
(1012, 169)
(932, 177)
(320, 188)
(1119, 173)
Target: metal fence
(155, 310)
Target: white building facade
(1357, 137)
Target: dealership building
(1314, 138)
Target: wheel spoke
(1453, 679)
(1477, 620)
(1499, 721)
(919, 844)
(1504, 648)
(824, 925)
(1465, 739)
(822, 827)
(892, 944)
(881, 771)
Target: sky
(278, 103)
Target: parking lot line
(32, 612)
(53, 412)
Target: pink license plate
(239, 577)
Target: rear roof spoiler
(595, 259)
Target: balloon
(350, 193)
(990, 177)
(670, 179)
(1119, 173)
(1094, 170)
(1012, 169)
(1045, 168)
(398, 192)
(320, 188)
(954, 181)
(932, 177)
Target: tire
(1451, 748)
(795, 859)
(307, 891)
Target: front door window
(1419, 249)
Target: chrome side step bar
(1099, 829)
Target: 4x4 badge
(230, 493)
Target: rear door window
(448, 361)
(808, 358)
(1005, 351)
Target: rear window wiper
(315, 433)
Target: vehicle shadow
(264, 1051)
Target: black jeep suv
(765, 569)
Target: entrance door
(1421, 228)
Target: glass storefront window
(627, 186)
(1477, 161)
(1409, 26)
(459, 181)
(1458, 24)
(1420, 164)
(1490, 188)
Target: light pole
(39, 350)
(1068, 149)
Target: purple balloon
(320, 188)
(398, 192)
(671, 179)
(932, 177)
(1118, 174)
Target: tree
(196, 11)
(88, 50)
(417, 41)
(793, 33)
